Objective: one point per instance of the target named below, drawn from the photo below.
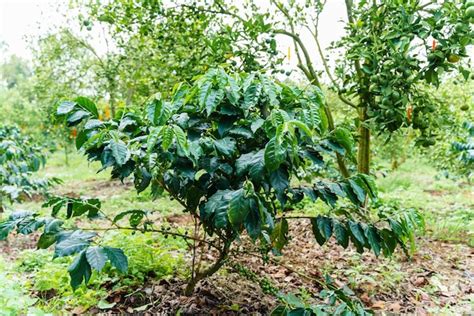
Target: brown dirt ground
(439, 275)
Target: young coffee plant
(19, 159)
(464, 150)
(237, 152)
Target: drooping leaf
(341, 234)
(46, 240)
(70, 246)
(79, 271)
(357, 234)
(181, 139)
(317, 232)
(238, 208)
(280, 234)
(167, 138)
(119, 151)
(344, 138)
(117, 258)
(76, 117)
(97, 257)
(373, 238)
(358, 190)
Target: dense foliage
(19, 159)
(391, 51)
(236, 152)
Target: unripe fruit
(453, 58)
(470, 12)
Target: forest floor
(437, 279)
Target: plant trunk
(207, 273)
(363, 155)
(112, 105)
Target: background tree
(392, 48)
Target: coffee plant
(237, 151)
(464, 149)
(19, 160)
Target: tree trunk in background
(112, 105)
(363, 154)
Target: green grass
(447, 205)
(149, 255)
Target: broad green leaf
(301, 126)
(93, 124)
(136, 217)
(359, 192)
(373, 239)
(233, 90)
(238, 208)
(181, 139)
(214, 212)
(279, 180)
(46, 240)
(153, 138)
(270, 89)
(81, 138)
(253, 222)
(256, 124)
(344, 138)
(280, 234)
(358, 233)
(251, 163)
(167, 138)
(117, 258)
(370, 184)
(389, 241)
(274, 154)
(317, 232)
(325, 226)
(76, 117)
(70, 246)
(212, 100)
(226, 146)
(88, 105)
(79, 271)
(6, 227)
(96, 257)
(154, 111)
(341, 234)
(251, 96)
(119, 151)
(65, 107)
(29, 225)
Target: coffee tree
(237, 152)
(19, 159)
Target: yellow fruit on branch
(453, 58)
